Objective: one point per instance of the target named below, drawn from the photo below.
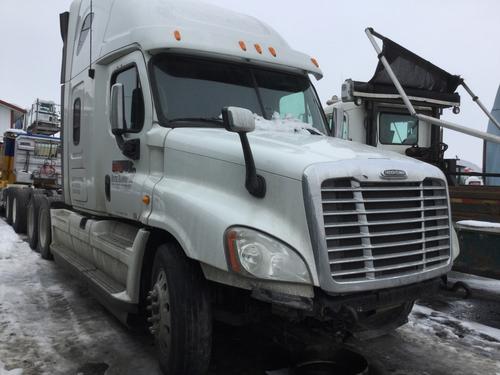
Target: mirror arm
(254, 183)
(130, 148)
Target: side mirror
(117, 115)
(238, 120)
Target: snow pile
(476, 282)
(446, 327)
(7, 244)
(479, 224)
(287, 125)
(3, 371)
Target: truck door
(125, 173)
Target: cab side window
(134, 101)
(84, 32)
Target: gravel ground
(49, 324)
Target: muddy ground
(49, 324)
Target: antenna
(91, 71)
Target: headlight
(254, 253)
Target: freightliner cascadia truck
(201, 183)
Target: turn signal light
(273, 51)
(146, 199)
(258, 48)
(177, 35)
(242, 44)
(231, 250)
(315, 62)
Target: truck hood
(283, 153)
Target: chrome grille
(379, 230)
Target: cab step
(104, 288)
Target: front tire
(181, 313)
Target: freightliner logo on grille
(394, 174)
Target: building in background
(11, 116)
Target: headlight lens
(255, 253)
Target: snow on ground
(476, 283)
(49, 324)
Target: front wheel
(181, 316)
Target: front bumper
(325, 307)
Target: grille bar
(375, 230)
(385, 234)
(386, 268)
(408, 199)
(387, 222)
(388, 244)
(385, 188)
(395, 211)
(389, 256)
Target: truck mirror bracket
(254, 183)
(242, 121)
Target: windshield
(193, 88)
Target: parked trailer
(200, 183)
(29, 165)
(43, 118)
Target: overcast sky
(461, 36)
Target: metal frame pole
(411, 109)
(462, 129)
(475, 99)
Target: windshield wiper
(191, 121)
(313, 131)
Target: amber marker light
(242, 44)
(177, 35)
(258, 48)
(232, 257)
(315, 62)
(273, 51)
(146, 199)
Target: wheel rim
(161, 316)
(14, 210)
(42, 229)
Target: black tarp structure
(418, 76)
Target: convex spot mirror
(238, 120)
(117, 115)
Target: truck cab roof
(184, 26)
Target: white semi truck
(201, 183)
